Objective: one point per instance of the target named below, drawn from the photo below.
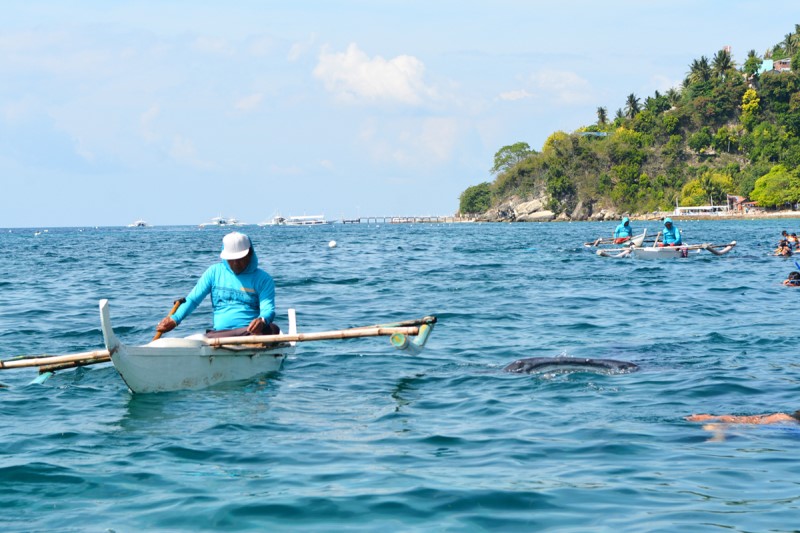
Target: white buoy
(332, 244)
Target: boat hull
(170, 364)
(163, 366)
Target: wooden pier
(448, 219)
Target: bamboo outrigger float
(196, 362)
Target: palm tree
(602, 116)
(631, 106)
(699, 71)
(752, 63)
(788, 44)
(619, 114)
(673, 95)
(721, 64)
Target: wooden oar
(175, 307)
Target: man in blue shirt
(670, 235)
(623, 232)
(242, 295)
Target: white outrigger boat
(667, 252)
(168, 364)
(197, 362)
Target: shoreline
(727, 216)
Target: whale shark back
(533, 365)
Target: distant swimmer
(623, 232)
(793, 280)
(718, 423)
(783, 249)
(771, 418)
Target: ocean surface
(355, 435)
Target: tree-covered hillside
(729, 129)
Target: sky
(176, 112)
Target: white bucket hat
(235, 245)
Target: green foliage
(709, 189)
(725, 130)
(510, 155)
(700, 140)
(476, 199)
(778, 187)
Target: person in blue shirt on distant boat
(623, 232)
(670, 235)
(242, 295)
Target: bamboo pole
(73, 364)
(318, 336)
(52, 359)
(58, 362)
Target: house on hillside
(783, 65)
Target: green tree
(476, 199)
(510, 155)
(631, 106)
(751, 105)
(602, 116)
(699, 71)
(752, 63)
(722, 64)
(778, 187)
(700, 140)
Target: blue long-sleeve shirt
(671, 235)
(623, 230)
(236, 299)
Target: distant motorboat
(275, 221)
(306, 220)
(139, 224)
(222, 221)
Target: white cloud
(562, 87)
(213, 45)
(249, 103)
(184, 151)
(327, 164)
(663, 83)
(146, 123)
(300, 48)
(292, 170)
(261, 46)
(519, 94)
(352, 76)
(413, 142)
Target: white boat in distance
(306, 220)
(222, 221)
(139, 224)
(277, 220)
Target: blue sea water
(355, 435)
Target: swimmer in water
(718, 423)
(793, 280)
(771, 418)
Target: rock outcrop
(535, 210)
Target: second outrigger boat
(636, 240)
(667, 252)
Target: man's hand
(257, 326)
(167, 324)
